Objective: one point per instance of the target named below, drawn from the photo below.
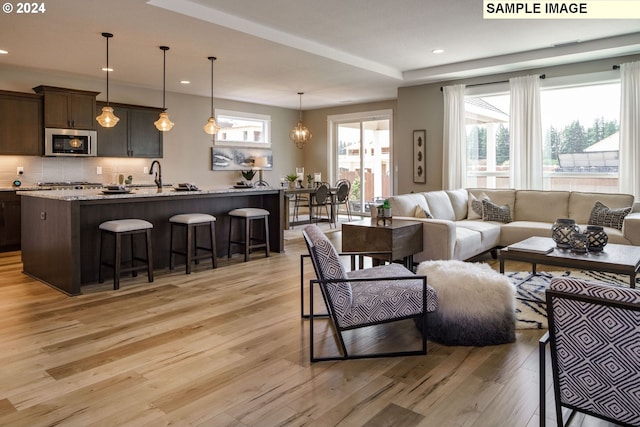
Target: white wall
(187, 148)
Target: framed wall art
(236, 159)
(419, 156)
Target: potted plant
(292, 177)
(309, 180)
(248, 176)
(387, 209)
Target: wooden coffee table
(620, 259)
(400, 239)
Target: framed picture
(419, 156)
(236, 159)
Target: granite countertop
(21, 188)
(97, 194)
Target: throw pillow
(475, 206)
(422, 213)
(604, 216)
(493, 212)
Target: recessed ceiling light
(437, 51)
(185, 82)
(107, 69)
(3, 52)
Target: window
(487, 124)
(361, 145)
(235, 128)
(580, 124)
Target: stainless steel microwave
(70, 142)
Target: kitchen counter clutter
(135, 192)
(61, 245)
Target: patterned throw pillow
(420, 212)
(475, 206)
(606, 217)
(493, 212)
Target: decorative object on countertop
(596, 237)
(248, 177)
(163, 123)
(579, 243)
(562, 230)
(309, 181)
(129, 180)
(261, 163)
(211, 127)
(107, 119)
(300, 135)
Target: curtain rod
(542, 76)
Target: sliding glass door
(362, 147)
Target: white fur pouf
(475, 304)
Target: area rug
(531, 308)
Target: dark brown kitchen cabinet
(68, 108)
(9, 221)
(135, 134)
(20, 124)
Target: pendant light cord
(107, 70)
(164, 75)
(212, 58)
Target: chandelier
(300, 135)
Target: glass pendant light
(107, 119)
(300, 135)
(211, 127)
(163, 123)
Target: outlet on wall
(145, 169)
(98, 170)
(20, 170)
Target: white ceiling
(335, 51)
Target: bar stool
(249, 215)
(126, 227)
(191, 222)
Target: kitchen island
(60, 235)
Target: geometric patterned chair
(365, 297)
(594, 332)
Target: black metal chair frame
(345, 199)
(332, 316)
(549, 339)
(320, 198)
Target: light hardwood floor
(227, 347)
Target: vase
(562, 230)
(292, 185)
(579, 243)
(596, 238)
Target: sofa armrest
(635, 207)
(438, 238)
(631, 228)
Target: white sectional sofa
(456, 231)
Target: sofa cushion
(468, 244)
(440, 205)
(535, 205)
(581, 203)
(519, 230)
(500, 197)
(405, 204)
(489, 231)
(493, 212)
(607, 217)
(459, 199)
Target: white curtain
(525, 133)
(629, 154)
(454, 153)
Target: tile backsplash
(49, 169)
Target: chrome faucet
(158, 179)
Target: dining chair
(321, 198)
(343, 191)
